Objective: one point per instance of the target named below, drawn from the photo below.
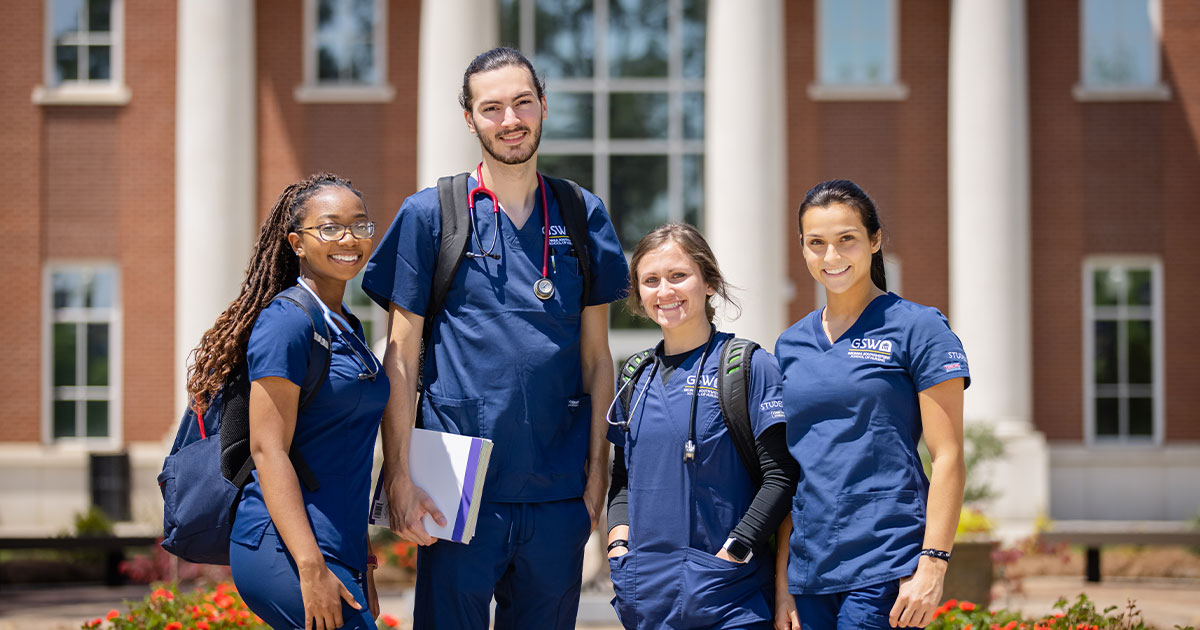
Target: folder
(451, 469)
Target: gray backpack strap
(574, 215)
(733, 386)
(630, 370)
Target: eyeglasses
(333, 232)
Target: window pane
(693, 190)
(1108, 416)
(101, 288)
(510, 23)
(637, 38)
(97, 354)
(1107, 285)
(66, 16)
(1106, 351)
(64, 353)
(1139, 287)
(99, 63)
(344, 33)
(66, 63)
(1141, 416)
(638, 115)
(97, 418)
(64, 418)
(1120, 47)
(639, 195)
(577, 168)
(695, 19)
(1141, 351)
(564, 38)
(99, 16)
(693, 115)
(856, 42)
(571, 115)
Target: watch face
(738, 549)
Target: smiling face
(837, 247)
(506, 113)
(338, 260)
(672, 290)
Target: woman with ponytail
(864, 378)
(299, 556)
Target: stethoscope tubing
(371, 369)
(490, 251)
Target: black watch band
(944, 556)
(618, 543)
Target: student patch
(872, 349)
(951, 367)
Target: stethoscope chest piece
(543, 288)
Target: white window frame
(820, 90)
(1091, 264)
(314, 91)
(1155, 91)
(112, 91)
(115, 436)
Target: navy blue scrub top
(680, 514)
(335, 433)
(854, 421)
(505, 365)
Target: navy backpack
(202, 479)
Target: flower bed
(217, 608)
(1079, 615)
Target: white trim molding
(1096, 91)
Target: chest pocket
(568, 281)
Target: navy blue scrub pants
(269, 583)
(865, 608)
(528, 555)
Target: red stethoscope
(543, 288)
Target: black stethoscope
(543, 288)
(370, 369)
(689, 447)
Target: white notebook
(451, 468)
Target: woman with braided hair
(300, 556)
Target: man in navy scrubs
(530, 371)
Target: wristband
(618, 543)
(372, 561)
(937, 554)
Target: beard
(515, 155)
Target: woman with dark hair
(864, 378)
(689, 526)
(300, 556)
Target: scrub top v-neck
(854, 422)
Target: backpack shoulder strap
(456, 233)
(574, 215)
(733, 386)
(320, 355)
(630, 370)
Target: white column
(745, 162)
(990, 290)
(215, 165)
(453, 32)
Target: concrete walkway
(1163, 603)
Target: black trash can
(110, 484)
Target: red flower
(93, 623)
(390, 621)
(162, 593)
(967, 606)
(112, 614)
(202, 625)
(950, 603)
(1010, 625)
(969, 626)
(174, 625)
(223, 601)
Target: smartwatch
(738, 550)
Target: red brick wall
(1111, 178)
(92, 183)
(20, 210)
(372, 144)
(895, 150)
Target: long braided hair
(273, 267)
